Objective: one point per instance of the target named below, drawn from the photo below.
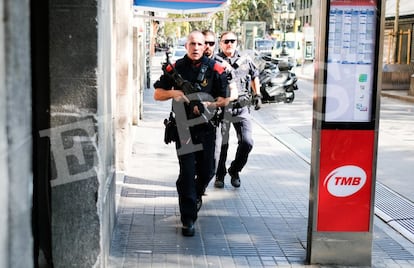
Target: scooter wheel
(291, 98)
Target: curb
(398, 96)
(305, 77)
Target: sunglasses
(210, 43)
(229, 41)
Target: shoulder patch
(170, 67)
(218, 68)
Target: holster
(171, 131)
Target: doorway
(41, 210)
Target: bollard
(411, 90)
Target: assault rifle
(186, 86)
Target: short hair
(193, 32)
(209, 32)
(227, 32)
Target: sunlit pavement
(261, 224)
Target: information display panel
(351, 61)
(345, 132)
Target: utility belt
(235, 108)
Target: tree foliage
(238, 11)
(251, 10)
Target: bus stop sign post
(345, 132)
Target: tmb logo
(345, 181)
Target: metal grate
(390, 206)
(395, 210)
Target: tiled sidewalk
(261, 224)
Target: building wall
(4, 183)
(16, 243)
(405, 24)
(82, 132)
(304, 11)
(83, 86)
(73, 85)
(106, 130)
(124, 93)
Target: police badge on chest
(204, 83)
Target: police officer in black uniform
(193, 111)
(210, 52)
(246, 76)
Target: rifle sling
(201, 74)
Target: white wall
(106, 139)
(124, 93)
(4, 182)
(16, 186)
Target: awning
(180, 6)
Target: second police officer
(246, 76)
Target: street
(264, 223)
(291, 124)
(395, 144)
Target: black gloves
(257, 101)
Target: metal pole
(400, 36)
(408, 46)
(284, 53)
(396, 22)
(226, 15)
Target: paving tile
(261, 224)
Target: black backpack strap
(206, 63)
(202, 73)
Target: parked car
(177, 53)
(161, 47)
(264, 46)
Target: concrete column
(77, 133)
(106, 132)
(141, 61)
(139, 75)
(16, 178)
(4, 182)
(135, 68)
(124, 92)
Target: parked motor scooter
(277, 80)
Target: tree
(238, 11)
(181, 28)
(249, 10)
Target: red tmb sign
(345, 180)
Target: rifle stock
(182, 84)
